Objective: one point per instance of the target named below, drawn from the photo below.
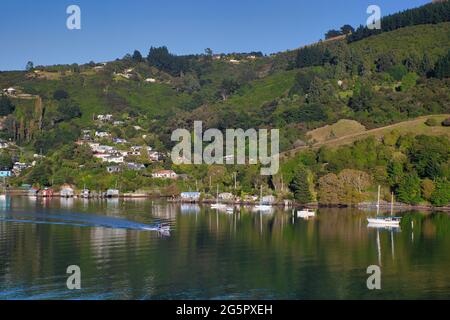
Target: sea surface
(209, 254)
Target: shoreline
(288, 204)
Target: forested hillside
(373, 78)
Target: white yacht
(385, 221)
(218, 205)
(261, 206)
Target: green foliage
(409, 81)
(442, 69)
(409, 189)
(29, 66)
(427, 14)
(432, 122)
(6, 162)
(441, 194)
(137, 56)
(429, 154)
(398, 71)
(362, 99)
(162, 59)
(306, 113)
(40, 175)
(60, 94)
(6, 106)
(300, 186)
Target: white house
(135, 166)
(114, 159)
(104, 117)
(165, 174)
(102, 134)
(119, 141)
(150, 80)
(190, 196)
(154, 156)
(227, 196)
(102, 149)
(101, 156)
(113, 169)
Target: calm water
(213, 255)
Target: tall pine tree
(300, 186)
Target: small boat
(230, 210)
(385, 221)
(306, 213)
(390, 221)
(261, 206)
(163, 227)
(218, 205)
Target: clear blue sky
(36, 30)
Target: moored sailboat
(385, 221)
(262, 206)
(218, 205)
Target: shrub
(432, 122)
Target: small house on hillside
(135, 166)
(226, 196)
(114, 169)
(165, 174)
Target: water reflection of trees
(212, 252)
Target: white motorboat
(263, 207)
(218, 206)
(306, 213)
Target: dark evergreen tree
(300, 186)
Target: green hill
(330, 90)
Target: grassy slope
(339, 129)
(415, 127)
(252, 97)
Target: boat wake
(82, 220)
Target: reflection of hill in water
(215, 254)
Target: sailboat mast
(378, 201)
(392, 203)
(260, 196)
